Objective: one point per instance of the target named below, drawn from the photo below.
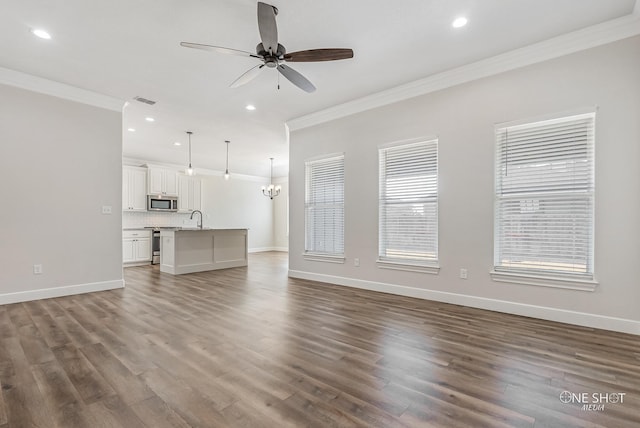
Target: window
(324, 209)
(408, 206)
(544, 200)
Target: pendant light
(226, 172)
(271, 191)
(189, 170)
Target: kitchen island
(188, 250)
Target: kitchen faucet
(199, 212)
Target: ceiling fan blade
(267, 27)
(219, 49)
(312, 55)
(296, 78)
(247, 76)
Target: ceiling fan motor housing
(261, 51)
(271, 60)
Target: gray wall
(60, 162)
(463, 118)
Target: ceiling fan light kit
(272, 54)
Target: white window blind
(324, 206)
(544, 197)
(408, 203)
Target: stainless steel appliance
(162, 203)
(155, 247)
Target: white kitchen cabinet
(189, 194)
(136, 246)
(163, 182)
(134, 188)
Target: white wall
(281, 216)
(463, 118)
(60, 162)
(239, 203)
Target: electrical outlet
(463, 273)
(106, 209)
(37, 269)
(356, 262)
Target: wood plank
(129, 387)
(61, 399)
(156, 413)
(4, 417)
(75, 331)
(116, 412)
(24, 401)
(174, 364)
(89, 384)
(189, 403)
(48, 328)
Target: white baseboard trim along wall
(263, 249)
(541, 312)
(66, 290)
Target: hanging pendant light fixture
(271, 191)
(189, 170)
(226, 172)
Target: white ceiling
(127, 48)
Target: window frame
(540, 277)
(312, 254)
(412, 265)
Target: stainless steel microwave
(162, 203)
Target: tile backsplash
(143, 219)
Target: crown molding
(202, 172)
(586, 38)
(61, 90)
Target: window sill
(545, 281)
(383, 264)
(323, 258)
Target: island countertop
(186, 250)
(192, 229)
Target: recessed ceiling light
(149, 119)
(177, 143)
(250, 107)
(39, 32)
(131, 129)
(459, 22)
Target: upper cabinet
(163, 182)
(134, 188)
(189, 193)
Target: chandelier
(271, 191)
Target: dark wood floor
(248, 347)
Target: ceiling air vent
(144, 100)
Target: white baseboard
(542, 312)
(67, 290)
(263, 249)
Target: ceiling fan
(272, 54)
